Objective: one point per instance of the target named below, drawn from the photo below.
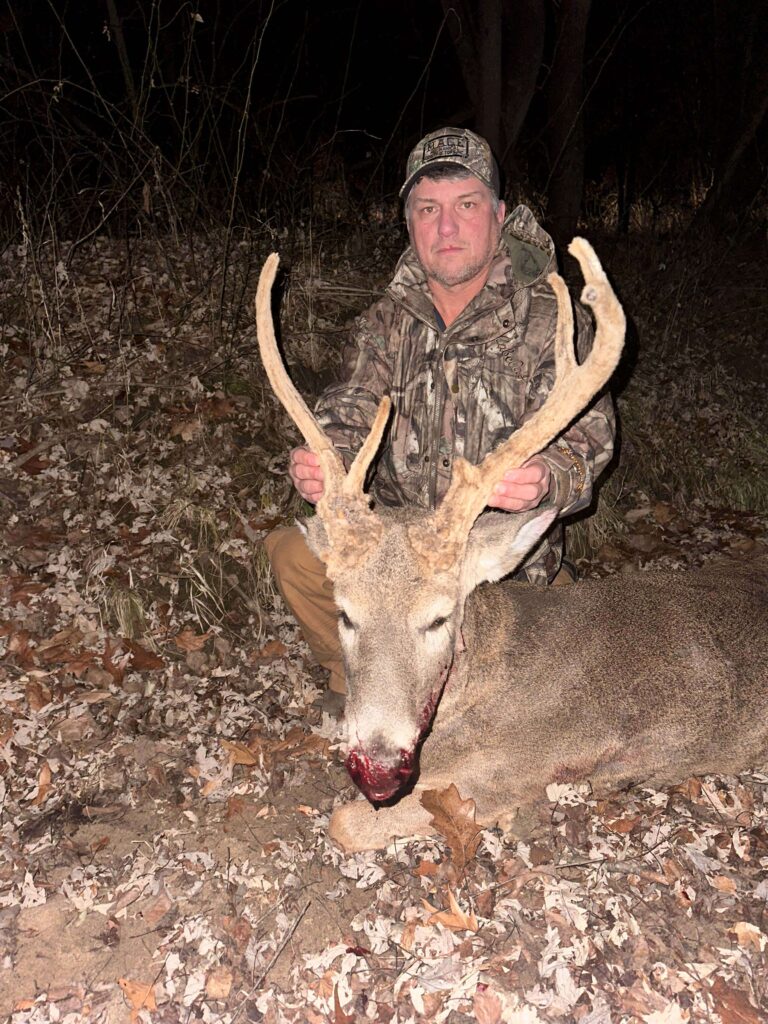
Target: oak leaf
(186, 429)
(140, 996)
(749, 935)
(454, 818)
(486, 1006)
(156, 908)
(143, 660)
(43, 785)
(37, 695)
(339, 1017)
(218, 983)
(454, 918)
(732, 1005)
(239, 753)
(188, 640)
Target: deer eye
(345, 620)
(437, 623)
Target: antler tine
(337, 481)
(575, 386)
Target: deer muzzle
(379, 777)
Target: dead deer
(503, 688)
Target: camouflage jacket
(462, 390)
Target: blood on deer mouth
(378, 779)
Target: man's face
(454, 228)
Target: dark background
(635, 114)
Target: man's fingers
(532, 473)
(304, 457)
(302, 472)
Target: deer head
(401, 576)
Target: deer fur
(502, 688)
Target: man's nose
(447, 224)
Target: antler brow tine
(336, 478)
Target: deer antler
(349, 523)
(575, 386)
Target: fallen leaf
(723, 883)
(623, 826)
(188, 640)
(426, 869)
(218, 983)
(339, 1017)
(272, 650)
(37, 695)
(748, 935)
(157, 908)
(217, 408)
(186, 429)
(409, 935)
(454, 818)
(115, 660)
(143, 660)
(486, 1006)
(236, 806)
(92, 367)
(733, 1005)
(43, 785)
(140, 996)
(455, 918)
(239, 753)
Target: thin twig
(285, 940)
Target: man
(462, 341)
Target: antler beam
(575, 386)
(343, 507)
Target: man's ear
(499, 541)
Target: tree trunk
(499, 46)
(116, 28)
(740, 109)
(521, 63)
(488, 116)
(565, 133)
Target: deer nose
(377, 776)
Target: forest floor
(166, 775)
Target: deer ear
(499, 541)
(315, 536)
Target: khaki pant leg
(308, 592)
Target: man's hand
(304, 470)
(523, 488)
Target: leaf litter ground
(166, 775)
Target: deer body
(500, 688)
(648, 677)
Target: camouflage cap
(449, 147)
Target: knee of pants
(291, 559)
